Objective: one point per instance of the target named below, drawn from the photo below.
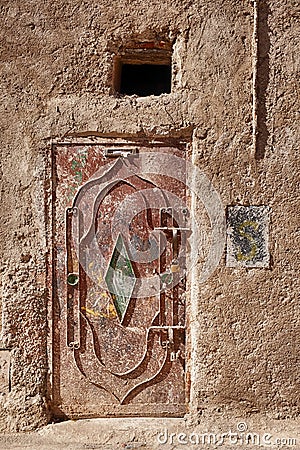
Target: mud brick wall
(57, 80)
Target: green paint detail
(120, 278)
(72, 192)
(72, 279)
(77, 166)
(78, 177)
(166, 278)
(80, 162)
(74, 165)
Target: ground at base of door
(159, 433)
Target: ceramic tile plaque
(247, 236)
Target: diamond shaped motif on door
(120, 278)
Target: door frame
(108, 140)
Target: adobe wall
(57, 64)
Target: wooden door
(120, 228)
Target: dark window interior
(145, 79)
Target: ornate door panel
(120, 230)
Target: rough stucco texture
(56, 78)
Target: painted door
(120, 226)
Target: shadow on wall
(263, 76)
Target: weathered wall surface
(56, 78)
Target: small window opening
(145, 79)
(143, 72)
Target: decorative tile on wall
(247, 236)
